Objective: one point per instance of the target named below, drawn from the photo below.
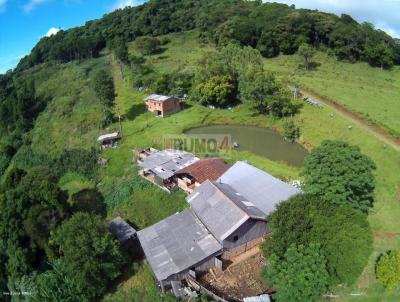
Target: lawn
(371, 92)
(142, 129)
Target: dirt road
(373, 128)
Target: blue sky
(23, 22)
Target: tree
(340, 173)
(265, 93)
(103, 84)
(388, 269)
(120, 49)
(147, 45)
(300, 276)
(380, 55)
(89, 256)
(217, 91)
(54, 285)
(343, 233)
(291, 131)
(306, 52)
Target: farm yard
(143, 129)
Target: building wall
(170, 106)
(247, 236)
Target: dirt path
(373, 128)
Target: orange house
(162, 105)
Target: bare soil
(239, 280)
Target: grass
(73, 116)
(371, 92)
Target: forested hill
(270, 27)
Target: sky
(24, 22)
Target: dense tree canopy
(271, 27)
(300, 275)
(103, 84)
(343, 233)
(340, 173)
(89, 255)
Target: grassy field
(142, 129)
(371, 92)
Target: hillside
(51, 169)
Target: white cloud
(384, 14)
(3, 5)
(52, 31)
(124, 3)
(31, 5)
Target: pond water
(260, 141)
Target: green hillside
(55, 181)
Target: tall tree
(340, 173)
(89, 255)
(343, 233)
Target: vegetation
(306, 52)
(341, 174)
(300, 276)
(272, 28)
(291, 131)
(147, 45)
(89, 255)
(342, 232)
(104, 86)
(388, 269)
(57, 135)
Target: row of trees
(272, 28)
(322, 238)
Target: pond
(260, 141)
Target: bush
(147, 45)
(291, 131)
(388, 269)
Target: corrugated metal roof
(258, 187)
(121, 229)
(219, 214)
(158, 98)
(104, 137)
(176, 244)
(166, 162)
(241, 201)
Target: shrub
(388, 269)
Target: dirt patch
(386, 235)
(238, 280)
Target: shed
(108, 140)
(122, 230)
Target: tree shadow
(135, 111)
(89, 201)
